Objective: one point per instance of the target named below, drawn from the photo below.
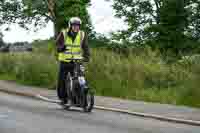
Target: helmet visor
(75, 23)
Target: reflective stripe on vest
(73, 53)
(73, 49)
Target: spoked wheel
(88, 101)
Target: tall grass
(140, 76)
(143, 76)
(29, 68)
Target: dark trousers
(64, 68)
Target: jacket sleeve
(60, 42)
(85, 47)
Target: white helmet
(74, 20)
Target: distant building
(16, 47)
(20, 47)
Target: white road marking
(47, 99)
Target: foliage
(39, 12)
(164, 24)
(1, 40)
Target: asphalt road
(24, 115)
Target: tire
(88, 101)
(68, 85)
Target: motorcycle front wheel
(88, 101)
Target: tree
(138, 15)
(166, 23)
(39, 12)
(173, 21)
(1, 40)
(193, 27)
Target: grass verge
(143, 76)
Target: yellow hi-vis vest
(73, 49)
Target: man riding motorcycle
(71, 43)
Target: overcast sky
(102, 16)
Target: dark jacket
(60, 43)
